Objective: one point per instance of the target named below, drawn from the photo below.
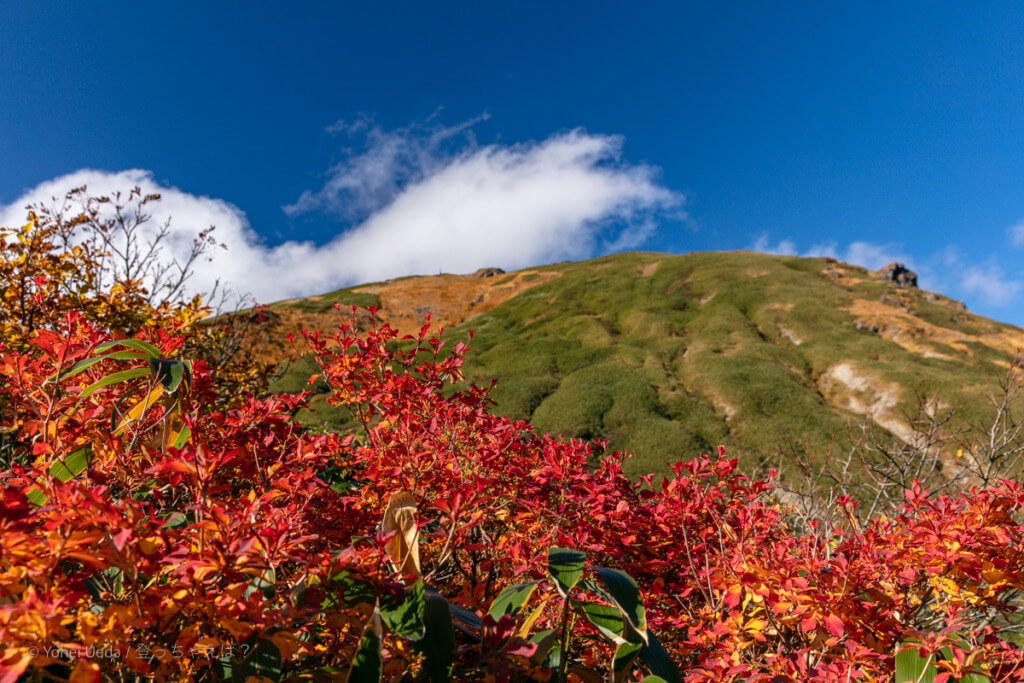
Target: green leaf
(96, 584)
(137, 344)
(657, 660)
(114, 378)
(144, 492)
(654, 679)
(182, 438)
(596, 589)
(85, 364)
(511, 599)
(911, 666)
(625, 595)
(607, 620)
(264, 661)
(622, 662)
(253, 658)
(71, 465)
(470, 619)
(367, 666)
(438, 641)
(975, 678)
(171, 373)
(553, 659)
(36, 497)
(545, 641)
(265, 582)
(403, 614)
(565, 566)
(345, 590)
(175, 520)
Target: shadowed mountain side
(669, 356)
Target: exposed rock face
(488, 272)
(897, 274)
(870, 327)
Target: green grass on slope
(700, 352)
(693, 355)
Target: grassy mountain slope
(668, 356)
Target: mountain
(668, 356)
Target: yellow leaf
(534, 615)
(141, 407)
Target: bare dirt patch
(273, 344)
(404, 304)
(913, 334)
(722, 406)
(790, 335)
(844, 277)
(909, 331)
(449, 299)
(847, 386)
(649, 269)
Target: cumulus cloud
(416, 200)
(188, 215)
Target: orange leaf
(86, 671)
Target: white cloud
(876, 256)
(419, 200)
(783, 248)
(188, 214)
(992, 285)
(945, 271)
(1016, 234)
(865, 254)
(367, 180)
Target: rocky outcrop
(897, 274)
(488, 272)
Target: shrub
(249, 546)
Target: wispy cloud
(865, 254)
(382, 163)
(991, 284)
(782, 248)
(418, 200)
(1016, 233)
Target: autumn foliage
(151, 528)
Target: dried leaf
(400, 517)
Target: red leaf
(834, 625)
(121, 537)
(732, 598)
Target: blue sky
(335, 143)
